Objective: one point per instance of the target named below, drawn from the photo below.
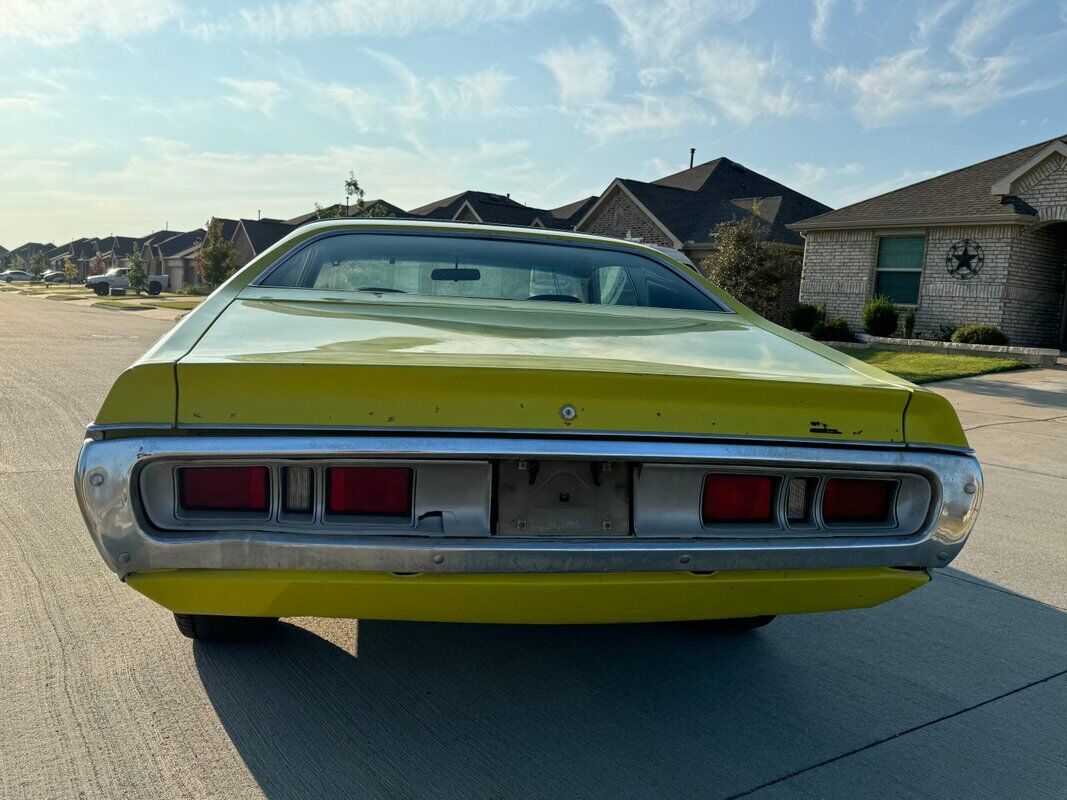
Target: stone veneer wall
(619, 215)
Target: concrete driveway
(956, 690)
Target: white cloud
(806, 175)
(744, 84)
(59, 22)
(253, 95)
(583, 74)
(306, 19)
(960, 75)
(642, 114)
(821, 20)
(664, 28)
(654, 76)
(480, 92)
(26, 103)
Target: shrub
(909, 325)
(751, 269)
(832, 330)
(979, 334)
(879, 316)
(806, 316)
(944, 331)
(196, 289)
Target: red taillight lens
(224, 488)
(738, 498)
(856, 500)
(384, 491)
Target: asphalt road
(957, 690)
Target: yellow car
(409, 420)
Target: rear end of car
(417, 432)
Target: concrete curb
(1036, 356)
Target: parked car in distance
(54, 276)
(406, 420)
(15, 275)
(115, 278)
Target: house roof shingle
(180, 243)
(692, 202)
(262, 233)
(965, 192)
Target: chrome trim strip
(107, 474)
(347, 430)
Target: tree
(353, 189)
(70, 270)
(137, 278)
(750, 269)
(379, 210)
(96, 266)
(38, 264)
(214, 262)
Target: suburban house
(176, 257)
(983, 244)
(472, 206)
(115, 251)
(19, 257)
(253, 236)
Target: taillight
(379, 491)
(856, 500)
(224, 488)
(738, 498)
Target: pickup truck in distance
(115, 278)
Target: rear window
(442, 266)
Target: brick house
(682, 210)
(176, 258)
(983, 244)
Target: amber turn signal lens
(856, 500)
(738, 498)
(379, 491)
(224, 488)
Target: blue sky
(120, 116)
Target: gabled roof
(964, 194)
(229, 227)
(353, 211)
(119, 246)
(263, 233)
(176, 245)
(486, 206)
(566, 217)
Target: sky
(127, 116)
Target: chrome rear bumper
(108, 471)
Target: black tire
(209, 628)
(154, 288)
(731, 627)
(102, 289)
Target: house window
(900, 268)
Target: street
(956, 690)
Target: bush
(196, 289)
(879, 316)
(806, 316)
(909, 325)
(832, 330)
(944, 331)
(745, 265)
(979, 334)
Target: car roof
(523, 232)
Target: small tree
(379, 210)
(38, 264)
(744, 265)
(137, 278)
(353, 189)
(70, 270)
(214, 262)
(96, 266)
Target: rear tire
(155, 288)
(210, 628)
(102, 289)
(730, 627)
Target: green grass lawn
(927, 367)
